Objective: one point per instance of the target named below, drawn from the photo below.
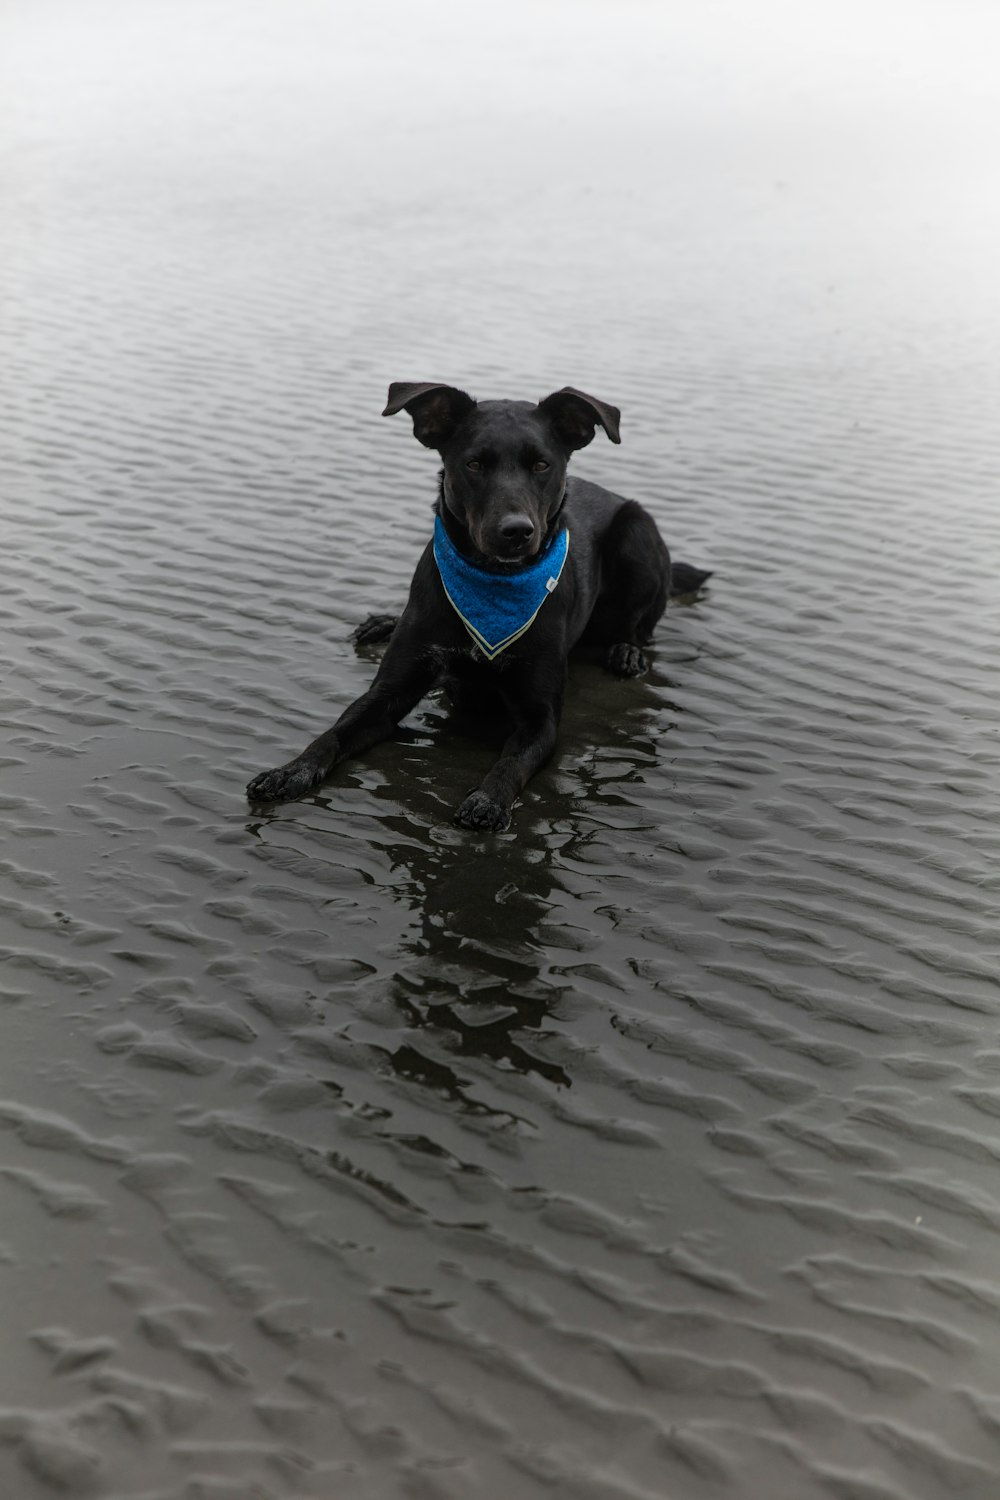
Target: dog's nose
(515, 529)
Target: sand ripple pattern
(652, 1149)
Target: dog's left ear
(575, 416)
(436, 409)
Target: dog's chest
(468, 659)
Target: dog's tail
(686, 580)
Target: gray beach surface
(650, 1151)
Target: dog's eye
(539, 467)
(474, 465)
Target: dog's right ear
(436, 409)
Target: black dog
(504, 508)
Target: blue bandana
(497, 608)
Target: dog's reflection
(494, 936)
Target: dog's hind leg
(375, 629)
(636, 581)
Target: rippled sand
(652, 1149)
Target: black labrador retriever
(525, 563)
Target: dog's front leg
(527, 749)
(408, 671)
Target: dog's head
(504, 461)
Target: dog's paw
(481, 812)
(285, 783)
(376, 628)
(626, 660)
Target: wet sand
(652, 1148)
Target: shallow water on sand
(651, 1149)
